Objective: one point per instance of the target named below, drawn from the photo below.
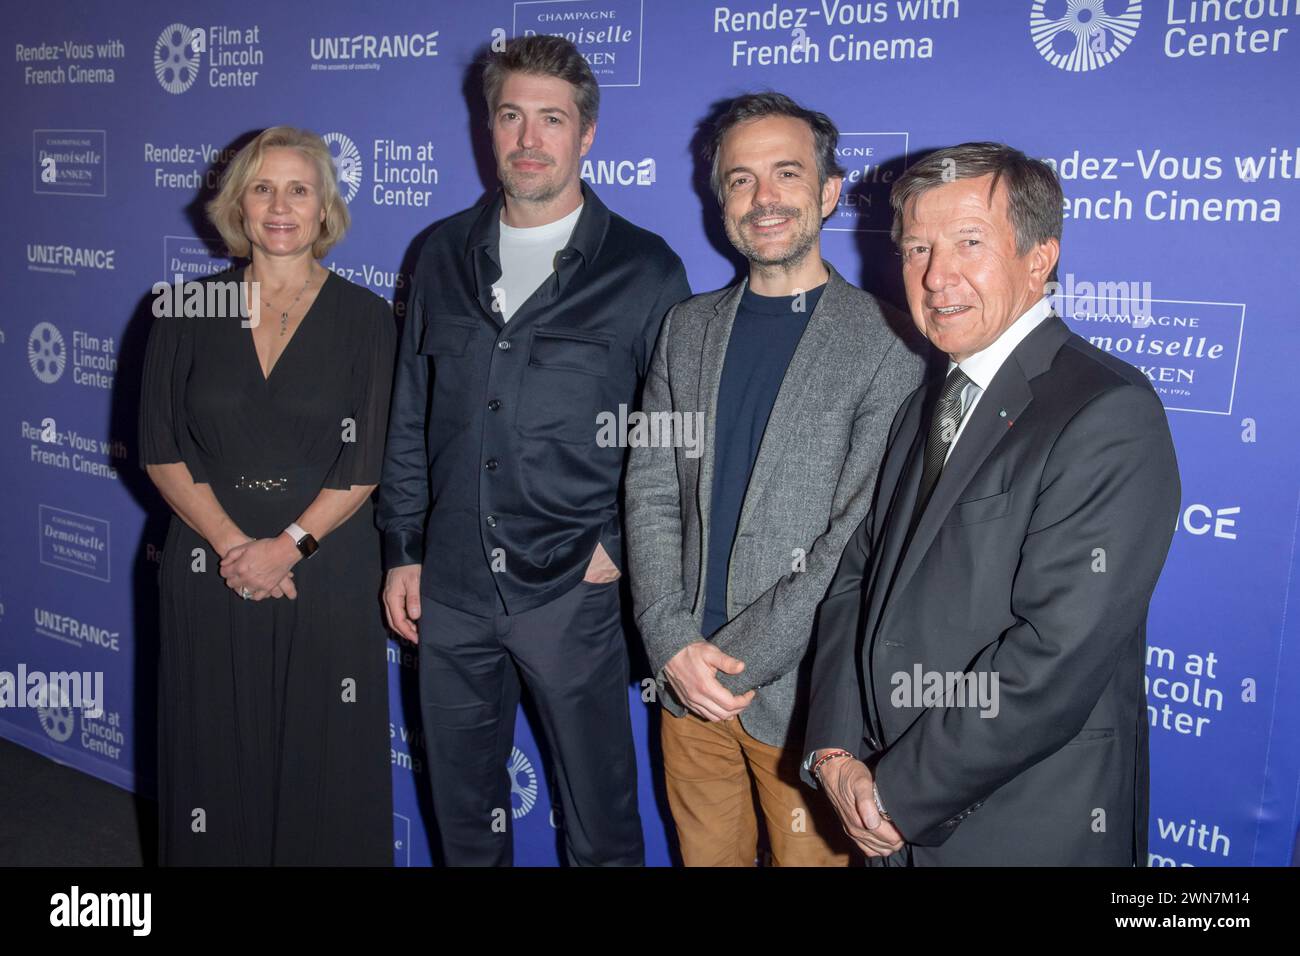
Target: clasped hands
(851, 788)
(262, 565)
(692, 674)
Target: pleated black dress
(273, 715)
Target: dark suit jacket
(1033, 563)
(494, 446)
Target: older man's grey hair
(1034, 197)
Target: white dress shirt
(983, 365)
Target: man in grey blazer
(794, 375)
(978, 693)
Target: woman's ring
(245, 593)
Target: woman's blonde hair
(224, 210)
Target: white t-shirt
(527, 259)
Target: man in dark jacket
(530, 316)
(977, 692)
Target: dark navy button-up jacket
(493, 477)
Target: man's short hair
(752, 106)
(1034, 197)
(543, 56)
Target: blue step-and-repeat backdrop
(1173, 125)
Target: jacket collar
(588, 233)
(729, 302)
(485, 241)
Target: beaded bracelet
(829, 755)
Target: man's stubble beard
(541, 188)
(541, 192)
(797, 252)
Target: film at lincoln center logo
(347, 163)
(523, 782)
(47, 352)
(1085, 37)
(56, 722)
(177, 56)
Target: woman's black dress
(273, 714)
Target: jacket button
(504, 345)
(494, 404)
(491, 521)
(490, 464)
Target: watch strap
(303, 540)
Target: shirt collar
(546, 233)
(983, 365)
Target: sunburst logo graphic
(46, 352)
(347, 163)
(56, 721)
(523, 783)
(1086, 37)
(176, 58)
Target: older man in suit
(795, 375)
(977, 694)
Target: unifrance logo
(364, 51)
(1086, 37)
(70, 630)
(176, 57)
(347, 163)
(523, 782)
(619, 172)
(47, 352)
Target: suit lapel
(713, 351)
(898, 497)
(900, 478)
(1005, 400)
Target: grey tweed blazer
(810, 488)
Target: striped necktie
(943, 429)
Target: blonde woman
(267, 441)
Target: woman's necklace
(284, 315)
